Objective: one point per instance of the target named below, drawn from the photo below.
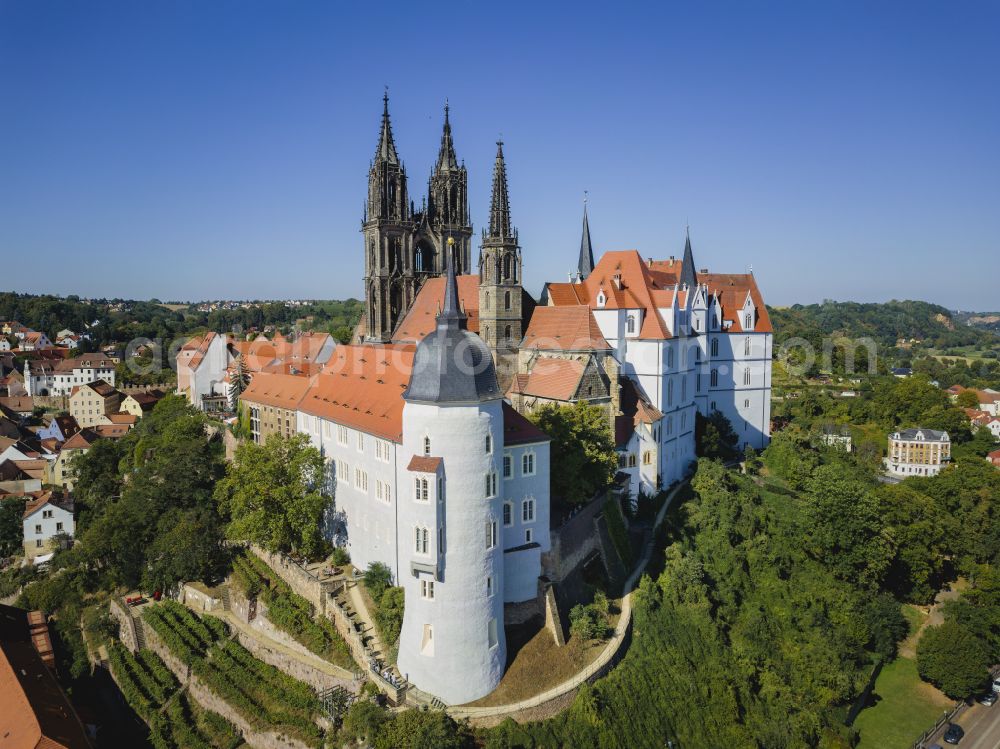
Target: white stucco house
(45, 517)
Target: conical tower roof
(500, 201)
(386, 150)
(446, 160)
(585, 265)
(688, 275)
(452, 365)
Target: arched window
(506, 333)
(746, 376)
(715, 378)
(630, 325)
(427, 445)
(749, 322)
(670, 358)
(647, 458)
(487, 300)
(506, 300)
(746, 346)
(670, 392)
(715, 347)
(631, 460)
(489, 444)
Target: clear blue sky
(209, 148)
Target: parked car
(988, 699)
(953, 734)
(996, 683)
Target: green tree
(272, 495)
(422, 729)
(363, 722)
(583, 452)
(967, 399)
(714, 436)
(953, 659)
(11, 525)
(378, 577)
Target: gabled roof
(19, 404)
(47, 498)
(123, 418)
(518, 430)
(626, 282)
(565, 329)
(111, 431)
(362, 387)
(424, 464)
(100, 387)
(636, 410)
(278, 390)
(554, 379)
(422, 317)
(34, 711)
(82, 440)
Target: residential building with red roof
(46, 516)
(53, 377)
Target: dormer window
(427, 446)
(630, 324)
(601, 298)
(748, 321)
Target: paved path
(624, 622)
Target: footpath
(603, 661)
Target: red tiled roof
(424, 464)
(362, 387)
(422, 317)
(518, 430)
(111, 431)
(279, 390)
(556, 379)
(123, 418)
(82, 440)
(636, 409)
(570, 328)
(629, 282)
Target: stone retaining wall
(197, 600)
(210, 701)
(126, 625)
(318, 680)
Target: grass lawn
(905, 707)
(535, 663)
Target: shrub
(340, 557)
(378, 577)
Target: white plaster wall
(521, 569)
(463, 666)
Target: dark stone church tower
(404, 247)
(501, 297)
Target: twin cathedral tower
(404, 246)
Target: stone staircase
(140, 634)
(226, 599)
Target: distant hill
(887, 323)
(981, 320)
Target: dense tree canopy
(583, 452)
(273, 495)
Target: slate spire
(500, 201)
(586, 263)
(688, 275)
(451, 314)
(386, 150)
(447, 160)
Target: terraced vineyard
(153, 692)
(289, 611)
(267, 698)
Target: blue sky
(212, 148)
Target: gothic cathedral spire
(447, 214)
(500, 293)
(585, 265)
(688, 277)
(388, 226)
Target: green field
(905, 708)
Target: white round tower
(451, 552)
